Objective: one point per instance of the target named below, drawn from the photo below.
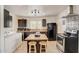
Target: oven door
(60, 43)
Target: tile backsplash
(72, 24)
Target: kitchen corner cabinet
(22, 24)
(12, 42)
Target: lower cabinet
(12, 42)
(26, 34)
(71, 45)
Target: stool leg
(32, 49)
(27, 46)
(43, 48)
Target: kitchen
(22, 21)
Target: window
(35, 24)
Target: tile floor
(51, 47)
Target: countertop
(33, 30)
(41, 37)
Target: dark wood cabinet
(43, 22)
(26, 34)
(22, 24)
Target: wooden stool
(43, 46)
(32, 47)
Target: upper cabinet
(22, 24)
(44, 22)
(7, 19)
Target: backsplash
(72, 24)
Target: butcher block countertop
(41, 37)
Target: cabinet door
(71, 45)
(44, 22)
(22, 23)
(10, 43)
(26, 34)
(19, 23)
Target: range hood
(71, 14)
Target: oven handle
(60, 36)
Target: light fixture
(35, 12)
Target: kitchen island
(32, 37)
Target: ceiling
(44, 10)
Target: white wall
(60, 20)
(1, 29)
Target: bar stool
(43, 46)
(32, 47)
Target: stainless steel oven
(60, 42)
(67, 43)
